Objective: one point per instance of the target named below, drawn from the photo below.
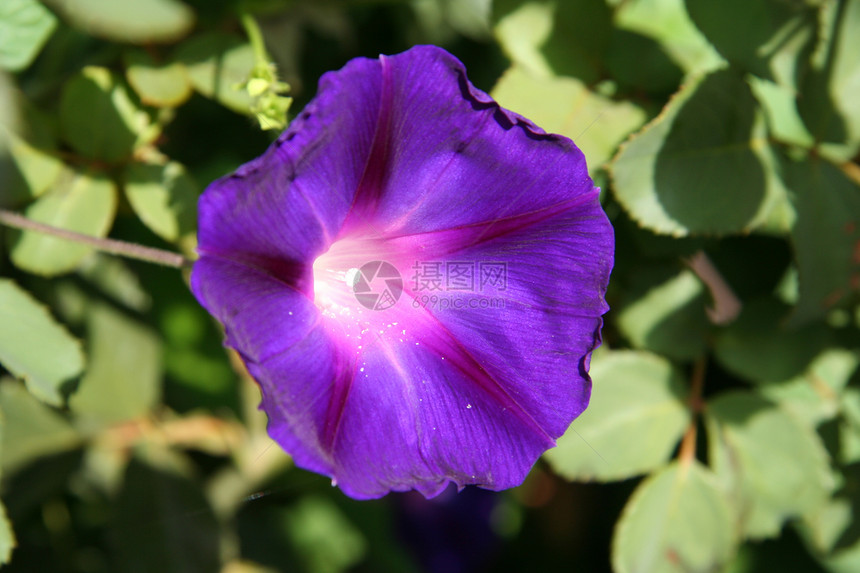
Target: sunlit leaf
(699, 167)
(827, 94)
(25, 26)
(566, 38)
(669, 319)
(164, 197)
(667, 23)
(566, 106)
(138, 22)
(157, 84)
(217, 64)
(98, 117)
(751, 34)
(760, 347)
(633, 423)
(28, 333)
(324, 538)
(31, 429)
(38, 169)
(677, 520)
(826, 235)
(123, 379)
(816, 395)
(773, 465)
(80, 202)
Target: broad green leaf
(25, 26)
(566, 106)
(468, 17)
(162, 522)
(323, 536)
(157, 84)
(774, 466)
(113, 277)
(849, 427)
(815, 396)
(81, 202)
(700, 166)
(31, 429)
(98, 117)
(667, 23)
(827, 95)
(217, 64)
(783, 121)
(760, 347)
(33, 346)
(640, 63)
(164, 197)
(123, 379)
(38, 169)
(567, 38)
(751, 34)
(7, 536)
(678, 520)
(634, 420)
(826, 235)
(137, 22)
(669, 319)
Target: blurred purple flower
(415, 277)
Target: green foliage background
(724, 430)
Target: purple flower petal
(397, 165)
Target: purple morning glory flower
(414, 276)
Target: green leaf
(98, 118)
(826, 235)
(566, 106)
(774, 466)
(7, 537)
(677, 520)
(162, 522)
(815, 396)
(138, 22)
(123, 380)
(651, 69)
(25, 26)
(567, 38)
(217, 64)
(635, 419)
(38, 169)
(827, 94)
(31, 429)
(782, 117)
(667, 23)
(759, 347)
(81, 202)
(849, 427)
(669, 319)
(164, 197)
(751, 34)
(157, 84)
(323, 536)
(29, 334)
(700, 166)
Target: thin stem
(687, 451)
(255, 36)
(112, 246)
(727, 306)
